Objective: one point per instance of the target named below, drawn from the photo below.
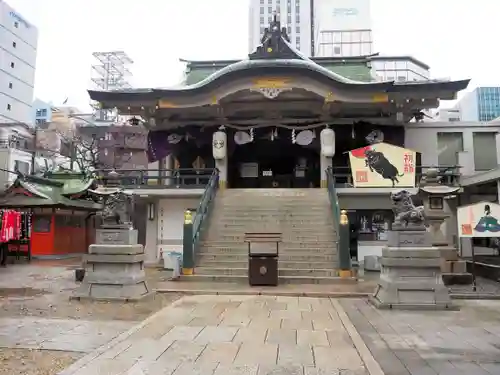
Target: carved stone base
(410, 277)
(114, 268)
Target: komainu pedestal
(114, 267)
(410, 275)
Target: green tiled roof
(357, 69)
(49, 193)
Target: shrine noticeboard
(479, 220)
(383, 165)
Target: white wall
(18, 45)
(8, 157)
(165, 233)
(422, 137)
(468, 106)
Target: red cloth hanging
(11, 225)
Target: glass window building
(482, 104)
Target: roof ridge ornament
(274, 43)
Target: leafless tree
(72, 151)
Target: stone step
(239, 235)
(263, 222)
(281, 279)
(281, 272)
(332, 250)
(304, 257)
(275, 191)
(283, 264)
(288, 246)
(272, 211)
(296, 226)
(271, 204)
(287, 237)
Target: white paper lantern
(219, 145)
(327, 138)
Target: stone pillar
(324, 162)
(221, 165)
(327, 141)
(169, 165)
(114, 267)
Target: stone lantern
(433, 194)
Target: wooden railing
(154, 178)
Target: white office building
(342, 28)
(399, 68)
(18, 49)
(323, 28)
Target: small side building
(62, 213)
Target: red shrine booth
(48, 217)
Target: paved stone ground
(58, 334)
(233, 335)
(430, 343)
(483, 286)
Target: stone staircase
(308, 253)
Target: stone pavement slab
(431, 342)
(240, 335)
(58, 334)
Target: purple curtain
(158, 146)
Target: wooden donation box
(263, 253)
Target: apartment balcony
(17, 144)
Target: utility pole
(72, 154)
(33, 154)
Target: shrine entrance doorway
(277, 163)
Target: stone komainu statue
(405, 211)
(117, 208)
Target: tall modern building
(294, 14)
(342, 28)
(482, 104)
(18, 49)
(323, 28)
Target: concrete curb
(265, 293)
(73, 368)
(193, 292)
(372, 366)
(475, 296)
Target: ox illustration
(377, 162)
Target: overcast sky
(457, 38)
